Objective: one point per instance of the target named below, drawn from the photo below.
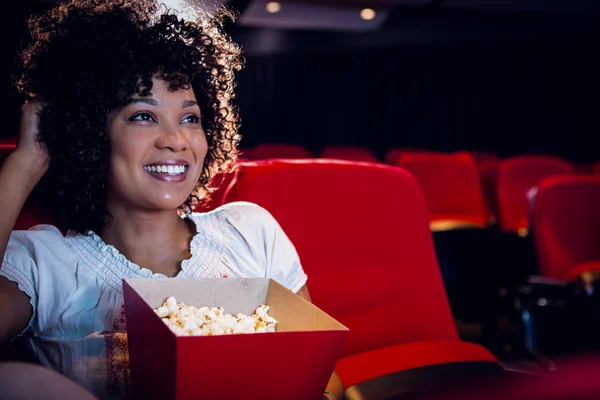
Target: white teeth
(166, 169)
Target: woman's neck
(156, 240)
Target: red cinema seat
(585, 168)
(362, 233)
(393, 155)
(245, 153)
(31, 213)
(484, 156)
(220, 183)
(596, 167)
(6, 147)
(574, 378)
(516, 177)
(265, 151)
(349, 153)
(488, 171)
(566, 226)
(10, 142)
(452, 188)
(487, 162)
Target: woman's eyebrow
(188, 103)
(145, 100)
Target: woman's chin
(166, 205)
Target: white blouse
(74, 286)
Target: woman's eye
(191, 119)
(142, 117)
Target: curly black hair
(87, 58)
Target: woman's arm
(19, 174)
(15, 185)
(335, 384)
(16, 310)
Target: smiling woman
(163, 131)
(129, 117)
(76, 75)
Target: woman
(129, 116)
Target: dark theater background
(504, 76)
(492, 105)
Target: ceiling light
(367, 14)
(273, 7)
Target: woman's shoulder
(38, 241)
(239, 213)
(38, 251)
(37, 235)
(238, 222)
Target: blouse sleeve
(285, 266)
(266, 239)
(18, 266)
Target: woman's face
(157, 149)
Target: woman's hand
(29, 149)
(329, 396)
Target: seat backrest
(393, 155)
(245, 153)
(566, 223)
(484, 156)
(516, 177)
(6, 147)
(488, 171)
(596, 167)
(265, 151)
(451, 184)
(362, 234)
(220, 183)
(31, 214)
(349, 153)
(584, 168)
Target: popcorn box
(295, 362)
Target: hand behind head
(28, 145)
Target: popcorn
(191, 321)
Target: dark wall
(443, 87)
(508, 96)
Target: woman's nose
(172, 139)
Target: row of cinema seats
(467, 193)
(503, 272)
(478, 262)
(476, 187)
(363, 232)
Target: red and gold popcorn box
(294, 363)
